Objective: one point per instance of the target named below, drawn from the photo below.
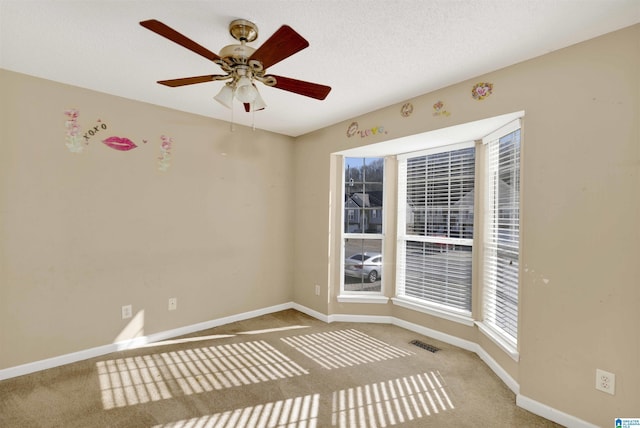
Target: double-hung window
(435, 228)
(502, 232)
(363, 228)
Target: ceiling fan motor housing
(238, 54)
(245, 32)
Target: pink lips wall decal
(120, 143)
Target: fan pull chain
(233, 128)
(253, 118)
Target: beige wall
(83, 234)
(580, 288)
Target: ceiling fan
(244, 65)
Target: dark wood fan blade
(301, 87)
(282, 44)
(189, 80)
(247, 107)
(171, 34)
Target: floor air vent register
(426, 346)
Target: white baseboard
(156, 337)
(498, 370)
(315, 314)
(464, 344)
(552, 414)
(521, 400)
(373, 319)
(443, 337)
(61, 360)
(136, 342)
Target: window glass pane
(501, 254)
(363, 193)
(362, 264)
(416, 196)
(507, 250)
(439, 190)
(440, 194)
(509, 190)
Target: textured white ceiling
(373, 53)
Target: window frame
(362, 296)
(507, 342)
(401, 299)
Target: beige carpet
(279, 370)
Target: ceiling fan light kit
(225, 96)
(245, 65)
(245, 91)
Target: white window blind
(436, 193)
(502, 231)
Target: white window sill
(508, 347)
(363, 298)
(461, 318)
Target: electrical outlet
(605, 381)
(173, 303)
(317, 290)
(127, 312)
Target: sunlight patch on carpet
(154, 377)
(391, 402)
(292, 412)
(343, 348)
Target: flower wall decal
(406, 110)
(439, 109)
(74, 143)
(481, 90)
(164, 160)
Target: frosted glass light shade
(258, 103)
(225, 96)
(245, 91)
